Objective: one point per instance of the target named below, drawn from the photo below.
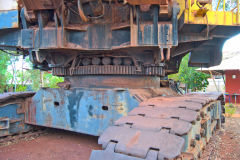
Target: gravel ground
(64, 145)
(226, 144)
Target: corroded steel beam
(143, 2)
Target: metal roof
(230, 63)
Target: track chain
(108, 70)
(161, 128)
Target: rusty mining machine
(115, 56)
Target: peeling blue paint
(15, 120)
(88, 111)
(9, 19)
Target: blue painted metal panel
(10, 38)
(88, 111)
(9, 19)
(12, 122)
(45, 39)
(27, 38)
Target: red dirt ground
(58, 145)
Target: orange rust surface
(43, 4)
(140, 2)
(134, 140)
(233, 115)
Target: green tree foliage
(22, 79)
(21, 88)
(35, 79)
(39, 79)
(51, 81)
(194, 80)
(4, 61)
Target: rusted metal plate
(210, 96)
(137, 142)
(109, 154)
(9, 97)
(114, 81)
(144, 2)
(199, 100)
(154, 112)
(154, 124)
(190, 101)
(40, 5)
(175, 104)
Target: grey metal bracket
(4, 123)
(110, 154)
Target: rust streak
(141, 2)
(134, 139)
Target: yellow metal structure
(196, 13)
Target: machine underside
(115, 57)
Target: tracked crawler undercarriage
(163, 127)
(175, 127)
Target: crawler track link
(177, 127)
